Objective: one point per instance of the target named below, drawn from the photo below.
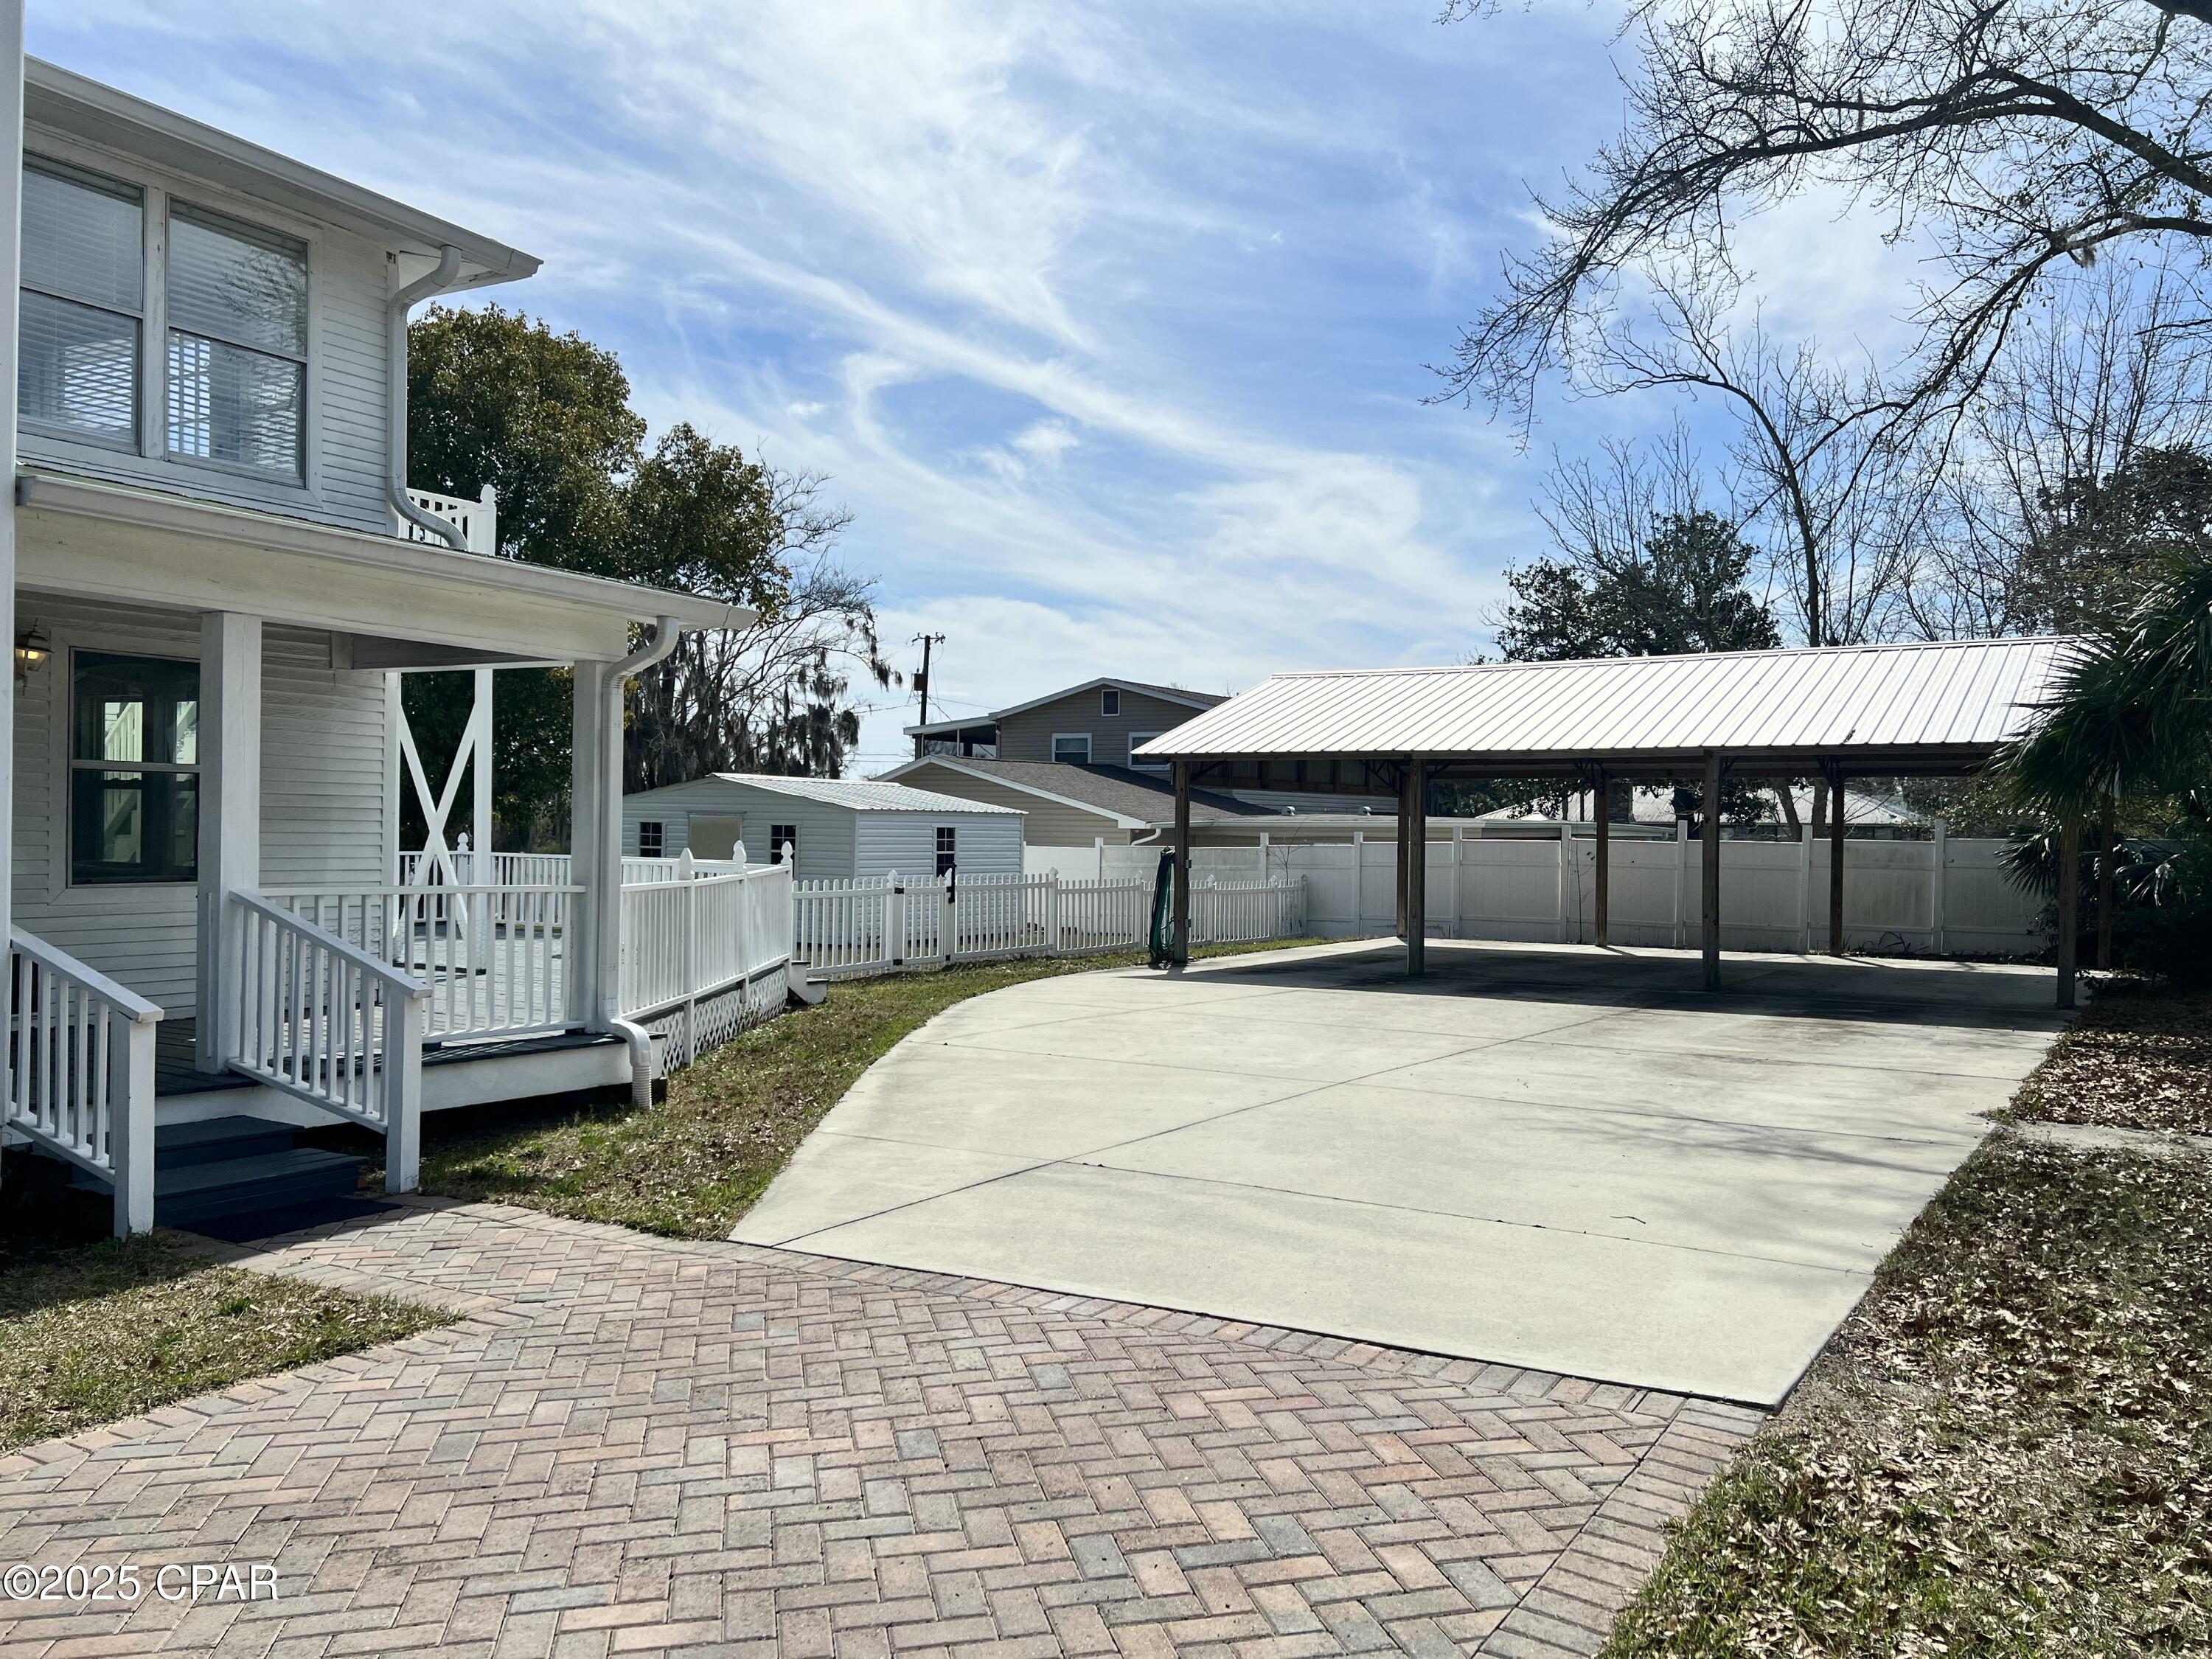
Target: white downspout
(607, 891)
(395, 405)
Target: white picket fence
(881, 924)
(1945, 896)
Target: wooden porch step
(228, 1166)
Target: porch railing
(80, 1072)
(325, 1022)
(477, 521)
(695, 945)
(493, 959)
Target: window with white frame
(1138, 739)
(947, 849)
(1110, 700)
(1073, 747)
(238, 342)
(83, 302)
(782, 838)
(651, 838)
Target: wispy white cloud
(1108, 324)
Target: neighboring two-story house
(219, 574)
(1066, 760)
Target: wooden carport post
(1179, 939)
(1413, 856)
(1604, 883)
(1708, 930)
(1836, 861)
(2069, 902)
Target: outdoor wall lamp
(31, 650)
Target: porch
(214, 914)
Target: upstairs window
(84, 303)
(1137, 740)
(782, 840)
(1073, 747)
(651, 838)
(238, 342)
(133, 769)
(1110, 700)
(947, 851)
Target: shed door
(713, 836)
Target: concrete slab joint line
(643, 1445)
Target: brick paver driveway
(630, 1445)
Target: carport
(1940, 709)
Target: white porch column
(480, 849)
(229, 803)
(595, 844)
(11, 218)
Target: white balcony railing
(479, 521)
(80, 1072)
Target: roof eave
(103, 115)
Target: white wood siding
(346, 368)
(825, 832)
(984, 843)
(322, 792)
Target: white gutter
(395, 405)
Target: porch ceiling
(78, 537)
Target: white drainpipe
(395, 441)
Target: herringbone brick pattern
(632, 1445)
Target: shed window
(83, 301)
(1072, 747)
(1110, 700)
(947, 850)
(238, 342)
(133, 769)
(782, 838)
(652, 837)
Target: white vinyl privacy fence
(1945, 896)
(846, 929)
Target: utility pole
(921, 680)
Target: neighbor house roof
(1139, 801)
(862, 794)
(1946, 703)
(1145, 687)
(98, 114)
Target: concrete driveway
(1551, 1157)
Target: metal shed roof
(863, 794)
(1944, 704)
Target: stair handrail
(317, 1038)
(80, 1081)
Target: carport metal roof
(1920, 707)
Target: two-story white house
(219, 574)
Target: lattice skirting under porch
(681, 1037)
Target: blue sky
(1109, 324)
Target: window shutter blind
(84, 239)
(237, 283)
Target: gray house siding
(836, 842)
(322, 792)
(1050, 823)
(1028, 736)
(346, 377)
(984, 843)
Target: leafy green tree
(498, 400)
(1681, 591)
(2110, 538)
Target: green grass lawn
(94, 1331)
(2008, 1450)
(691, 1165)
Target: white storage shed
(841, 828)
